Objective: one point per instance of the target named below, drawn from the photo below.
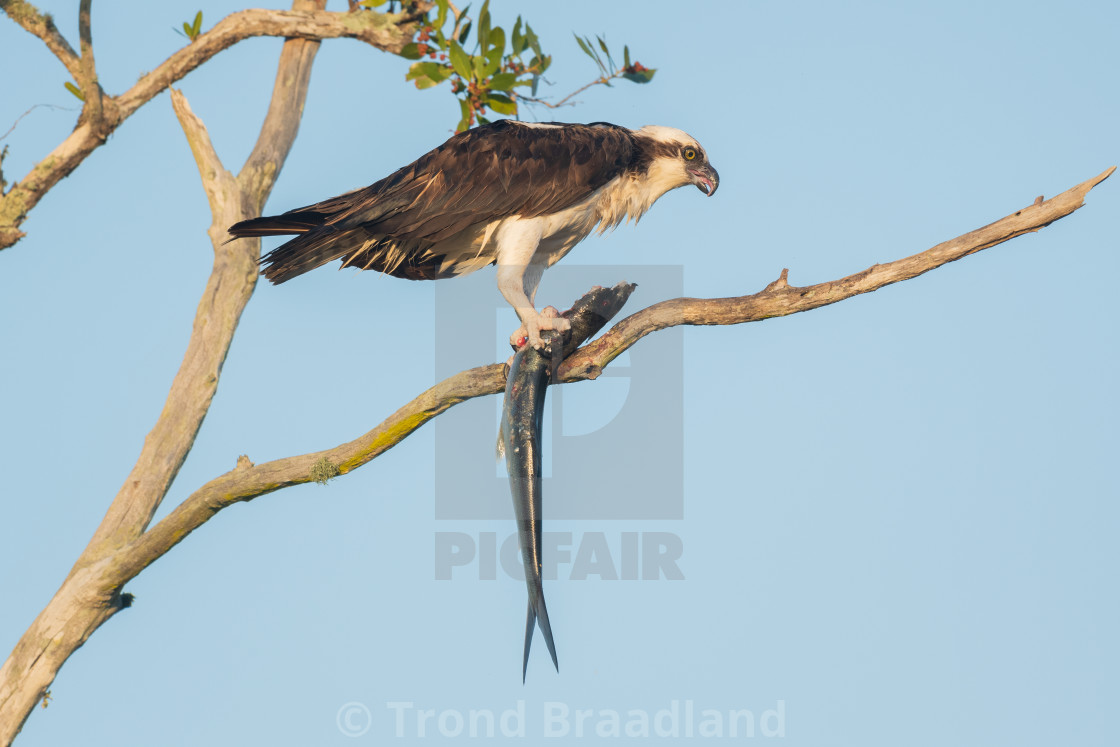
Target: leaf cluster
(193, 29)
(483, 75)
(485, 65)
(608, 70)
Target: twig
(602, 80)
(36, 106)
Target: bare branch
(218, 183)
(227, 292)
(42, 26)
(386, 32)
(778, 299)
(93, 110)
(781, 299)
(278, 132)
(92, 593)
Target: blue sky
(897, 514)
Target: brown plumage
(489, 172)
(516, 194)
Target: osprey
(516, 194)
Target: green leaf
(498, 41)
(460, 61)
(626, 56)
(484, 28)
(465, 32)
(494, 56)
(187, 30)
(441, 14)
(534, 42)
(483, 120)
(410, 51)
(502, 104)
(610, 60)
(643, 77)
(372, 3)
(583, 45)
(516, 38)
(493, 64)
(437, 71)
(75, 90)
(465, 122)
(503, 81)
(590, 50)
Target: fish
(530, 373)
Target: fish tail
(537, 616)
(546, 631)
(530, 620)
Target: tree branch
(227, 292)
(92, 592)
(388, 33)
(278, 132)
(385, 32)
(781, 299)
(42, 26)
(93, 110)
(248, 481)
(217, 182)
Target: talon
(535, 323)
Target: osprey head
(679, 160)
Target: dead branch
(89, 596)
(92, 592)
(42, 26)
(102, 114)
(249, 481)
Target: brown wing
(478, 176)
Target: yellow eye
(689, 154)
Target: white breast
(547, 238)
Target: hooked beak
(705, 178)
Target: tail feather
(306, 252)
(276, 225)
(315, 243)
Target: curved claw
(533, 323)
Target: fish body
(521, 440)
(531, 371)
